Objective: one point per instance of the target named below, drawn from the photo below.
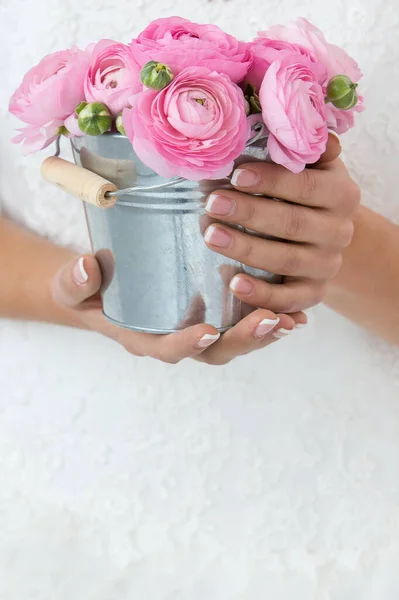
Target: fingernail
(300, 325)
(207, 340)
(217, 237)
(331, 132)
(220, 205)
(266, 327)
(281, 333)
(241, 285)
(244, 178)
(79, 273)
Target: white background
(273, 477)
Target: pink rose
(294, 111)
(335, 59)
(113, 76)
(48, 94)
(194, 128)
(179, 43)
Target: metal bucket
(158, 274)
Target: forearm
(366, 289)
(27, 266)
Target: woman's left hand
(312, 221)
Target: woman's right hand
(77, 285)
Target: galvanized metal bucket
(158, 274)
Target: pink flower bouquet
(180, 106)
(186, 95)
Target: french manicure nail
(217, 237)
(331, 132)
(207, 340)
(79, 272)
(300, 325)
(244, 178)
(266, 327)
(241, 285)
(220, 205)
(281, 333)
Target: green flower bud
(155, 75)
(119, 124)
(348, 101)
(80, 107)
(341, 92)
(94, 119)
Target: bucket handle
(96, 190)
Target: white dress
(274, 477)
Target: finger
(290, 297)
(323, 188)
(77, 282)
(280, 219)
(258, 330)
(170, 348)
(333, 150)
(296, 260)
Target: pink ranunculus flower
(36, 138)
(307, 35)
(48, 95)
(179, 43)
(72, 127)
(342, 121)
(194, 128)
(335, 59)
(113, 76)
(294, 111)
(265, 51)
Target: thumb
(333, 149)
(76, 282)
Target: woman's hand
(315, 218)
(76, 286)
(313, 222)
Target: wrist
(28, 264)
(358, 253)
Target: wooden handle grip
(79, 182)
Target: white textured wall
(274, 477)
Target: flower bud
(119, 124)
(349, 101)
(341, 92)
(155, 75)
(94, 118)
